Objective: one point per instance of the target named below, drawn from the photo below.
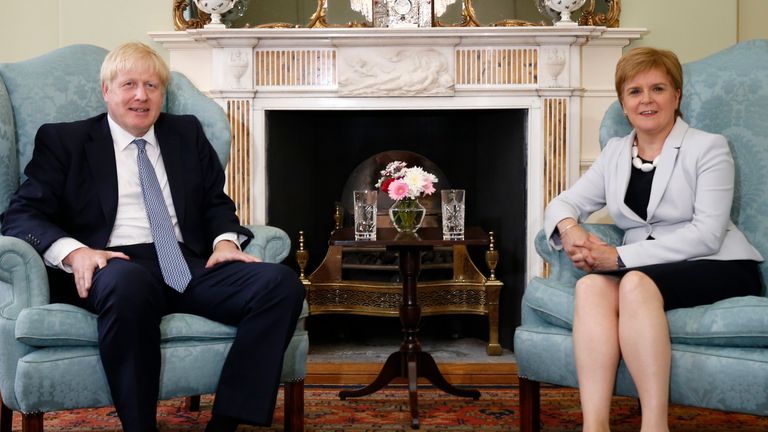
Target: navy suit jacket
(71, 186)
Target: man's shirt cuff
(59, 250)
(235, 238)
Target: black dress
(695, 282)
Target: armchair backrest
(727, 93)
(64, 85)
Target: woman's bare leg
(596, 347)
(646, 347)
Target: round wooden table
(410, 362)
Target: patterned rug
(387, 410)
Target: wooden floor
(455, 373)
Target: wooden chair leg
(32, 422)
(6, 417)
(530, 405)
(294, 406)
(191, 403)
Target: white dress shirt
(131, 223)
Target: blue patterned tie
(172, 265)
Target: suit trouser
(130, 298)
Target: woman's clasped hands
(587, 251)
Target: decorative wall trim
(239, 183)
(555, 174)
(555, 147)
(297, 67)
(496, 66)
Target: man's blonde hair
(130, 56)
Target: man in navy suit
(83, 209)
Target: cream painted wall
(37, 27)
(752, 17)
(692, 28)
(32, 29)
(109, 23)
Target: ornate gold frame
(318, 19)
(181, 23)
(513, 22)
(611, 19)
(467, 15)
(516, 23)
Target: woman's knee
(595, 285)
(636, 286)
(592, 290)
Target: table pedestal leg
(410, 362)
(410, 366)
(390, 371)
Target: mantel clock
(403, 13)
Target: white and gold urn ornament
(216, 8)
(565, 7)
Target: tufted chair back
(727, 93)
(63, 86)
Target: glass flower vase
(407, 215)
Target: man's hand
(226, 251)
(84, 262)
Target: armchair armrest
(23, 279)
(561, 268)
(269, 243)
(23, 283)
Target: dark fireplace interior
(310, 155)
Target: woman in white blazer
(670, 188)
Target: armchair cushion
(58, 325)
(552, 301)
(733, 322)
(61, 324)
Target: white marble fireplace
(563, 77)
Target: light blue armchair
(49, 360)
(719, 351)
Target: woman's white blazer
(689, 207)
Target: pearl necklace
(639, 164)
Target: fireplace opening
(310, 155)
